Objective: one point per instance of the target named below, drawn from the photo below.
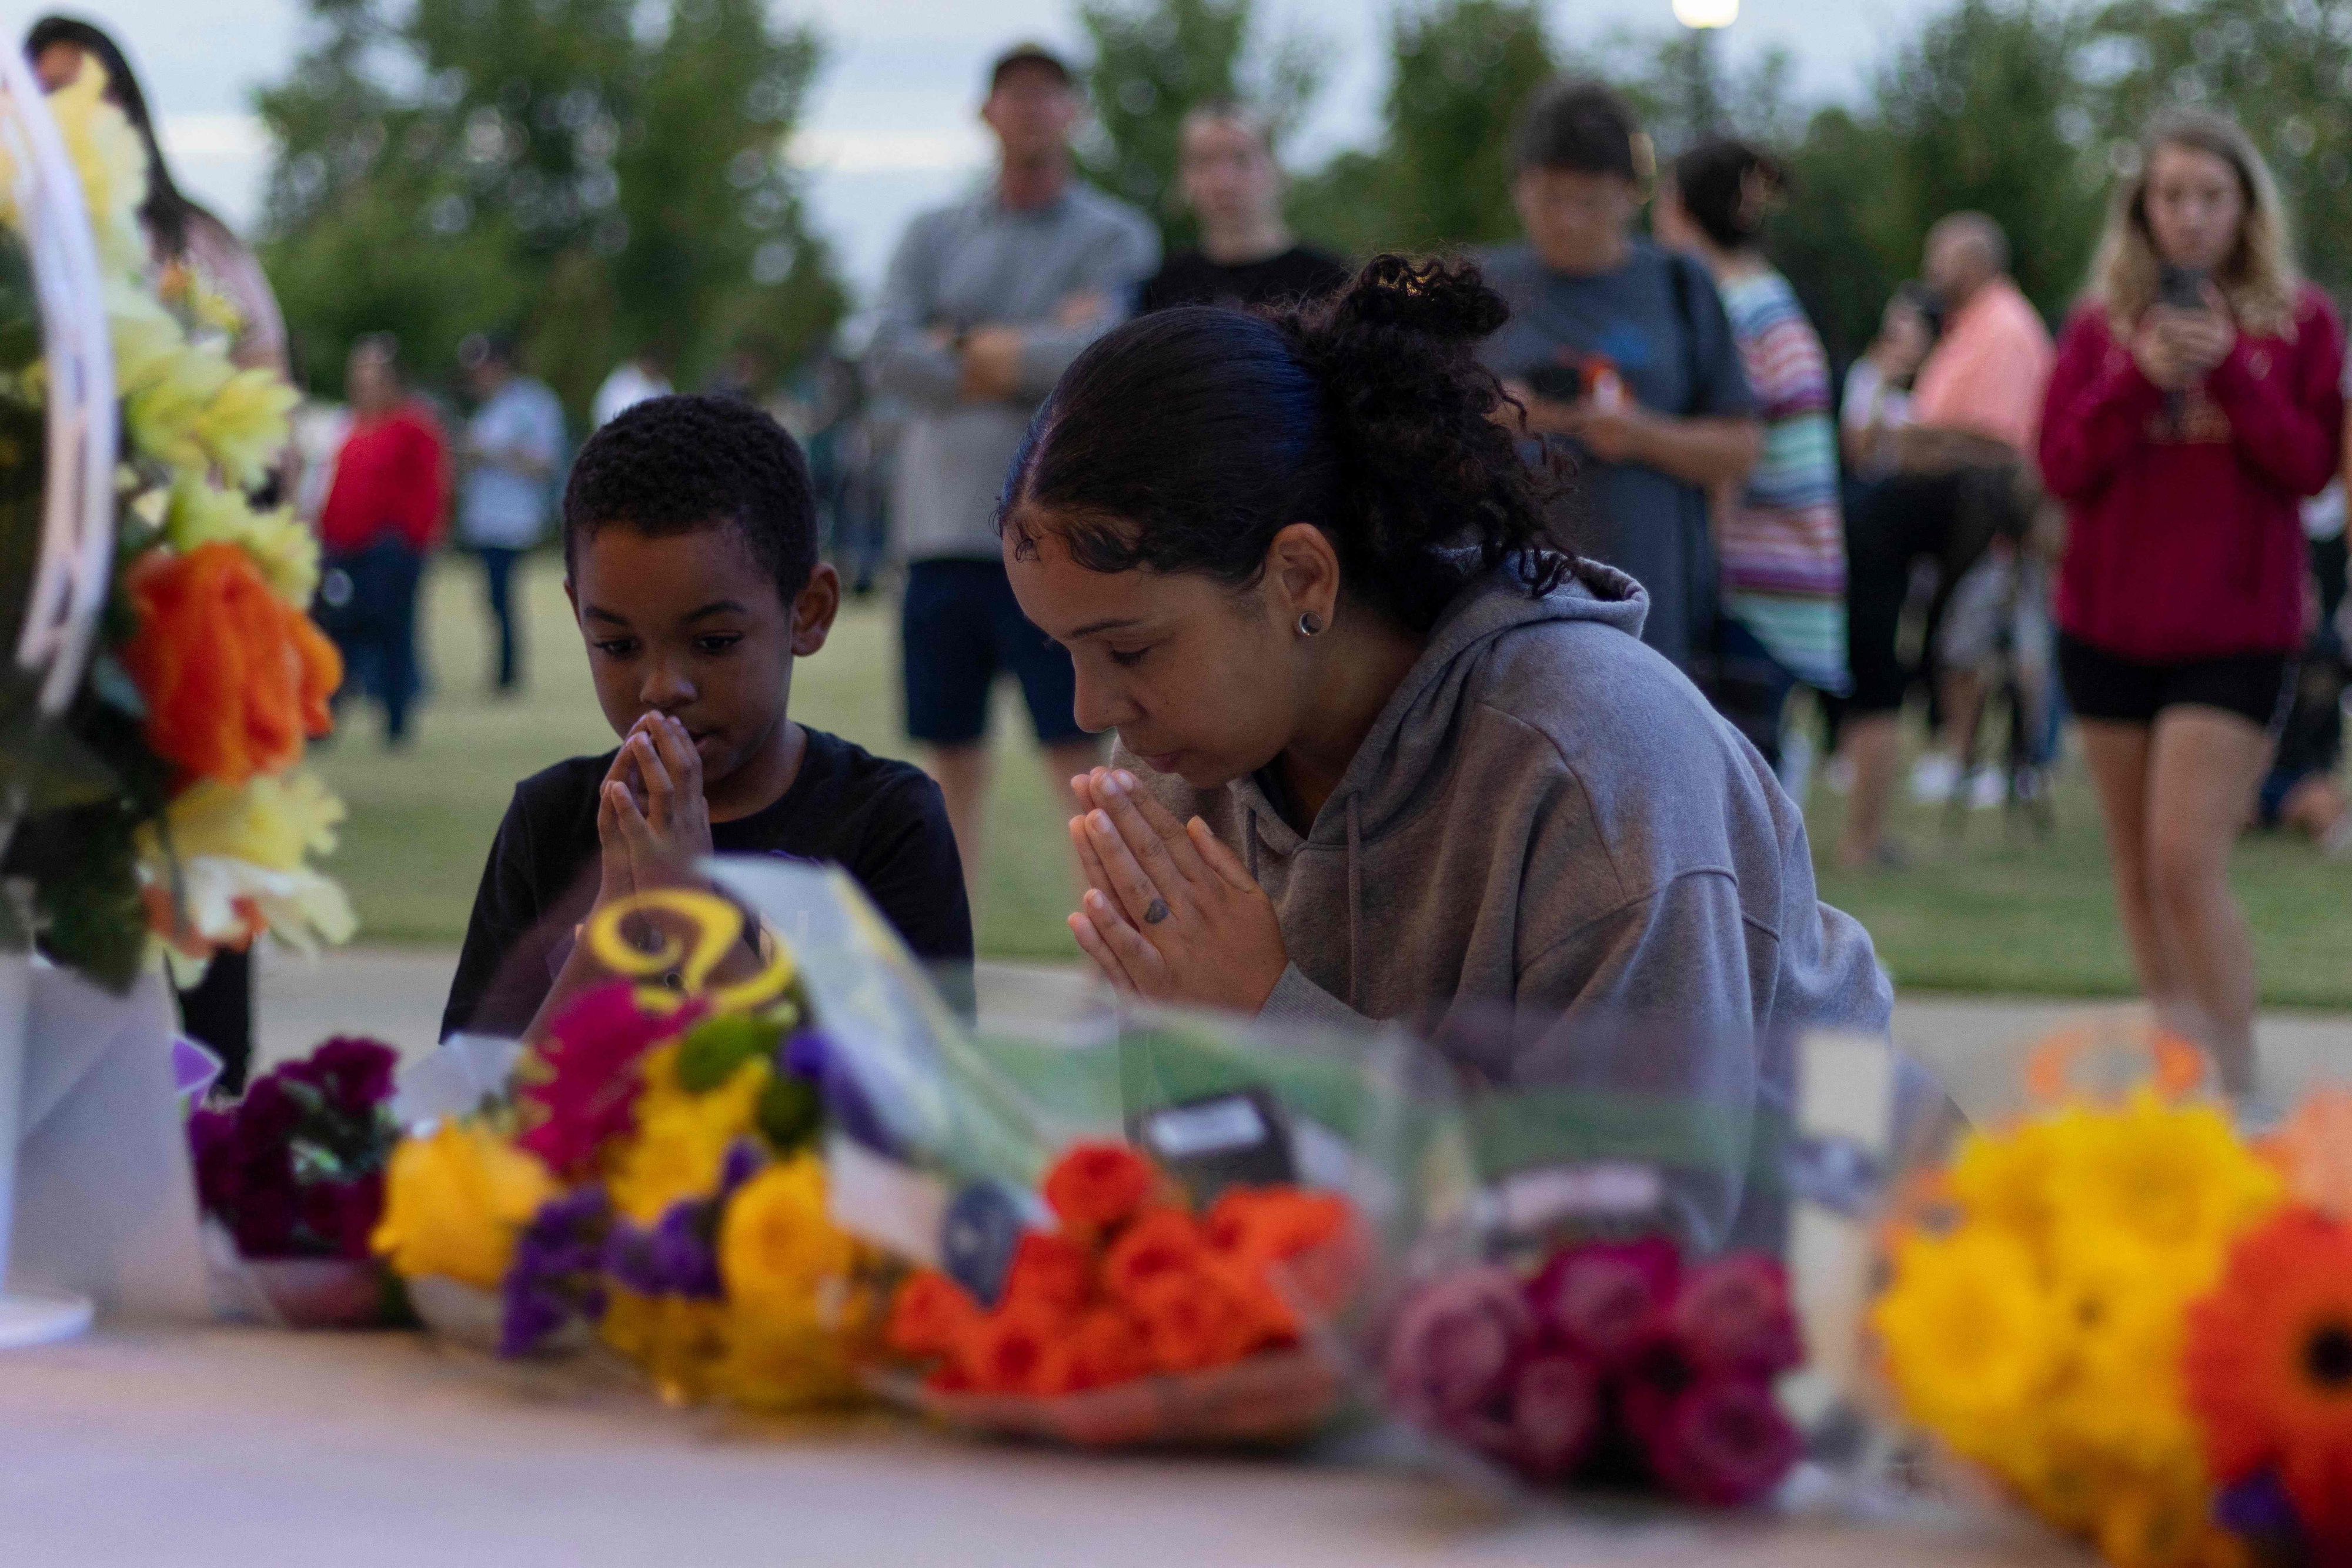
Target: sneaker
(1934, 778)
(1987, 789)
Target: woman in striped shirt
(1779, 540)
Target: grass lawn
(1988, 912)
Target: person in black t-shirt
(689, 545)
(1234, 187)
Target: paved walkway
(1972, 1043)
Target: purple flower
(812, 1056)
(1452, 1350)
(744, 1160)
(2258, 1507)
(352, 1074)
(1722, 1441)
(556, 1272)
(674, 1258)
(342, 1215)
(1732, 1314)
(1555, 1413)
(1607, 1301)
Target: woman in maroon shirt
(2195, 400)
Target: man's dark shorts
(961, 628)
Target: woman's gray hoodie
(1548, 815)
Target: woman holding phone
(2196, 401)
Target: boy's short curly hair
(672, 465)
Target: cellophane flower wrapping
(653, 1177)
(2137, 1320)
(1155, 1230)
(1619, 1302)
(166, 810)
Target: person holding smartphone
(2197, 400)
(1620, 351)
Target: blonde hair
(2259, 279)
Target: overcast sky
(891, 128)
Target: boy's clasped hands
(653, 824)
(1169, 914)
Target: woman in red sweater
(2195, 400)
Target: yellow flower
(272, 820)
(286, 552)
(161, 407)
(2163, 1518)
(111, 164)
(1968, 1328)
(2006, 1179)
(780, 1255)
(678, 1341)
(680, 1142)
(454, 1203)
(243, 428)
(2175, 1177)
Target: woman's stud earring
(1307, 625)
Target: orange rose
(1191, 1320)
(1094, 1185)
(1268, 1224)
(233, 677)
(1050, 1274)
(1159, 1241)
(1107, 1346)
(929, 1314)
(1007, 1352)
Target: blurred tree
(1154, 59)
(2283, 66)
(1985, 112)
(550, 166)
(1461, 71)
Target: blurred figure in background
(1962, 480)
(2302, 793)
(1877, 399)
(1779, 540)
(512, 448)
(180, 232)
(1247, 255)
(181, 236)
(643, 374)
(1625, 350)
(381, 514)
(2198, 398)
(986, 303)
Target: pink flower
(1452, 1350)
(1732, 1314)
(1556, 1410)
(587, 1088)
(1607, 1301)
(1722, 1441)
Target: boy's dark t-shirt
(882, 821)
(1190, 278)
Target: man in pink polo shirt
(1963, 455)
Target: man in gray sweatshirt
(987, 302)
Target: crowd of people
(1437, 507)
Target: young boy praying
(690, 559)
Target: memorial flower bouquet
(656, 1176)
(161, 803)
(1606, 1363)
(292, 1177)
(1135, 1318)
(2139, 1323)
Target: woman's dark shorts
(2103, 686)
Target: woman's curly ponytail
(1184, 441)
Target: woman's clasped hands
(1169, 914)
